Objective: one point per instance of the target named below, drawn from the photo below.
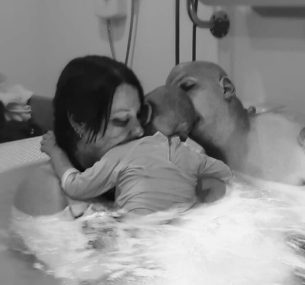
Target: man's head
(172, 112)
(214, 98)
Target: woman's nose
(136, 130)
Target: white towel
(14, 94)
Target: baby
(154, 173)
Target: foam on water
(254, 235)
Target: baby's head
(173, 112)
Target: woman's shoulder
(39, 193)
(38, 173)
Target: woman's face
(123, 125)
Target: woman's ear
(79, 128)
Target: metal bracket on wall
(219, 23)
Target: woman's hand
(48, 143)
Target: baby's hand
(210, 189)
(48, 143)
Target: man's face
(212, 93)
(202, 85)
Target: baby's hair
(172, 111)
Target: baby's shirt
(153, 173)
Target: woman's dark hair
(84, 92)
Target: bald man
(266, 145)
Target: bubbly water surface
(254, 235)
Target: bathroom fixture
(218, 24)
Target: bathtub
(15, 159)
(18, 269)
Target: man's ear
(228, 87)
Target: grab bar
(218, 24)
(194, 17)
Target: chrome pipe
(191, 8)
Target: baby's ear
(146, 113)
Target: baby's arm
(90, 183)
(213, 175)
(59, 159)
(210, 189)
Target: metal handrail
(194, 17)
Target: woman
(97, 105)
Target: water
(255, 235)
(16, 268)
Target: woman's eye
(120, 122)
